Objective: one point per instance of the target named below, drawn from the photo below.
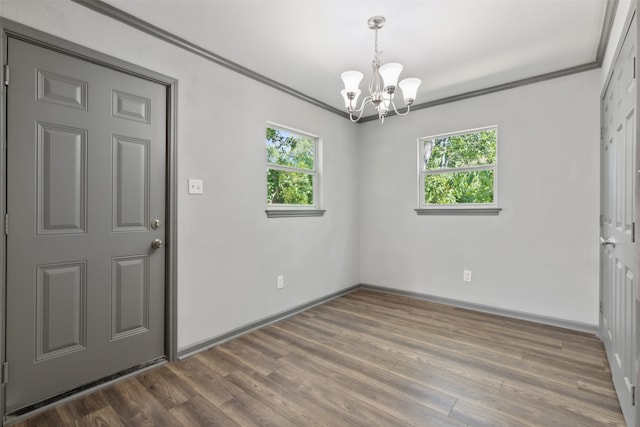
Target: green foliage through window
(291, 160)
(462, 187)
(460, 168)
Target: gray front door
(618, 262)
(86, 148)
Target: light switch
(196, 186)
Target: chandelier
(382, 85)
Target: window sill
(289, 213)
(459, 211)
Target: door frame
(9, 28)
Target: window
(292, 172)
(458, 172)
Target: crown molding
(605, 33)
(497, 88)
(106, 9)
(164, 35)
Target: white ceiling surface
(454, 46)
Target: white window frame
(460, 208)
(292, 210)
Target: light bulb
(348, 103)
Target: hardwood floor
(369, 359)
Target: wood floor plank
(167, 387)
(48, 418)
(564, 364)
(87, 405)
(426, 371)
(482, 416)
(388, 354)
(562, 406)
(369, 359)
(247, 411)
(456, 322)
(105, 417)
(606, 391)
(358, 375)
(246, 355)
(205, 381)
(287, 403)
(257, 343)
(198, 411)
(343, 403)
(219, 361)
(410, 409)
(417, 338)
(136, 405)
(458, 350)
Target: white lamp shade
(347, 102)
(390, 73)
(351, 80)
(409, 87)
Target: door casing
(10, 28)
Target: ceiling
(454, 46)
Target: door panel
(130, 290)
(62, 179)
(86, 148)
(61, 321)
(62, 90)
(130, 184)
(618, 317)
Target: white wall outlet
(196, 186)
(466, 275)
(279, 282)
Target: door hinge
(6, 224)
(601, 305)
(633, 231)
(5, 373)
(634, 67)
(6, 75)
(633, 395)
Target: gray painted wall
(229, 252)
(540, 254)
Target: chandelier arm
(360, 111)
(366, 100)
(398, 112)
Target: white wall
(540, 255)
(229, 252)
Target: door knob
(157, 244)
(609, 241)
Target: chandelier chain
(377, 54)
